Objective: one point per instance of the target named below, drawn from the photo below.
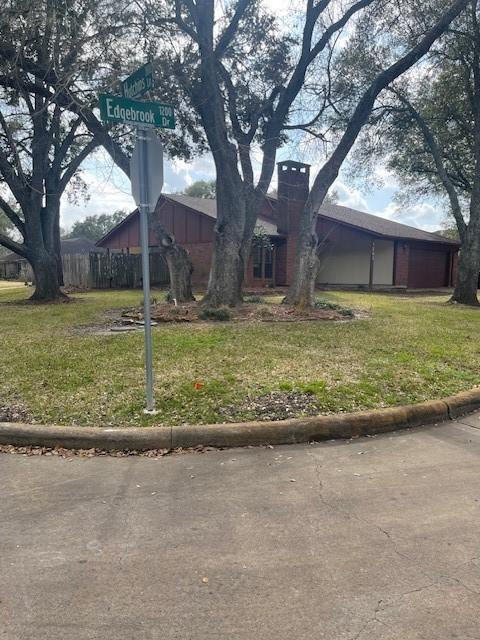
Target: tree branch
(15, 184)
(438, 160)
(229, 33)
(75, 163)
(12, 215)
(329, 171)
(11, 245)
(13, 148)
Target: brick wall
(201, 255)
(402, 252)
(293, 188)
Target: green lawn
(409, 349)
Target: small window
(257, 261)
(268, 263)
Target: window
(262, 262)
(268, 263)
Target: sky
(109, 190)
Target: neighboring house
(356, 248)
(14, 267)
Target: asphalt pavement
(374, 538)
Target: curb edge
(294, 430)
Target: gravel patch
(14, 413)
(276, 405)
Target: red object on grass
(198, 385)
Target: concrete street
(372, 539)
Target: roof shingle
(379, 226)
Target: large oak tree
(423, 27)
(429, 133)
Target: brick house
(357, 249)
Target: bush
(222, 314)
(325, 304)
(253, 299)
(345, 311)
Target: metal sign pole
(144, 208)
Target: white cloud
(423, 215)
(106, 196)
(349, 196)
(385, 177)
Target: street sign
(139, 83)
(146, 176)
(153, 169)
(141, 114)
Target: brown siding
(428, 266)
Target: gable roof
(379, 226)
(76, 245)
(343, 215)
(208, 207)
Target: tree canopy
(427, 131)
(202, 189)
(95, 227)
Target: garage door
(427, 268)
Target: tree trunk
(228, 267)
(465, 291)
(180, 268)
(301, 292)
(226, 272)
(47, 285)
(58, 248)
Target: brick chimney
(293, 189)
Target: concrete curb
(243, 434)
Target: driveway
(375, 538)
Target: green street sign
(139, 83)
(143, 114)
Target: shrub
(325, 304)
(253, 299)
(222, 314)
(345, 311)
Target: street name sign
(152, 166)
(141, 114)
(139, 83)
(146, 176)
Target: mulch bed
(257, 312)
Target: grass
(10, 284)
(411, 348)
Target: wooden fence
(111, 270)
